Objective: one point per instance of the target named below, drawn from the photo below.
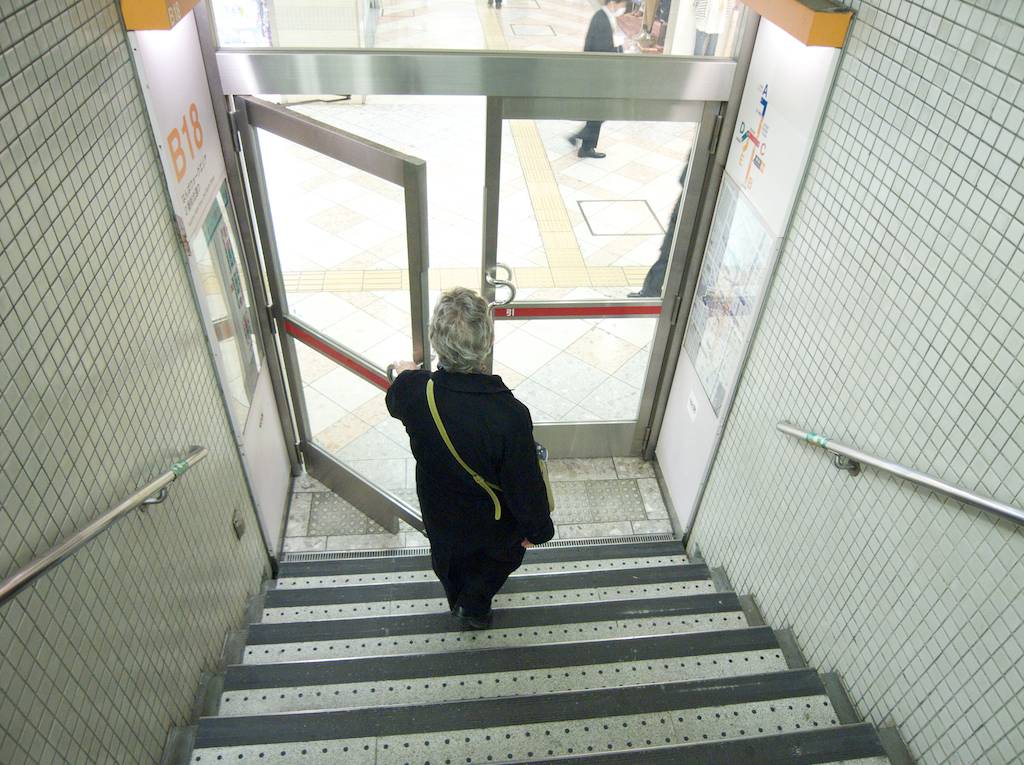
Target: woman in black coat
(472, 551)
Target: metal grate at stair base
(406, 552)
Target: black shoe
(642, 294)
(573, 139)
(480, 622)
(591, 154)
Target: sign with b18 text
(170, 65)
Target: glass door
(591, 204)
(342, 224)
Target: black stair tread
(383, 668)
(373, 593)
(486, 713)
(805, 747)
(419, 624)
(536, 555)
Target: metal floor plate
(512, 600)
(494, 638)
(536, 742)
(427, 690)
(597, 502)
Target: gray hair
(461, 331)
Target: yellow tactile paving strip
(565, 259)
(494, 36)
(552, 218)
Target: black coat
(493, 433)
(599, 35)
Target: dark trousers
(589, 135)
(472, 579)
(656, 273)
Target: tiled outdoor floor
(593, 498)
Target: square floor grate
(532, 30)
(620, 217)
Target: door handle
(505, 281)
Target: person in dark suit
(603, 36)
(472, 551)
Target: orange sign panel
(812, 22)
(155, 14)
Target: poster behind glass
(736, 264)
(224, 292)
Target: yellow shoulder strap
(480, 481)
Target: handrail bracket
(156, 499)
(842, 462)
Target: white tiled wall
(105, 379)
(896, 324)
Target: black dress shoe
(591, 154)
(474, 622)
(573, 139)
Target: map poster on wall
(226, 305)
(786, 89)
(739, 257)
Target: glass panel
(215, 259)
(736, 263)
(448, 134)
(677, 27)
(577, 227)
(348, 418)
(575, 370)
(341, 241)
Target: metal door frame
(626, 437)
(504, 74)
(252, 114)
(630, 87)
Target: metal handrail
(152, 493)
(850, 459)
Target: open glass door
(598, 245)
(343, 227)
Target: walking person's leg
(450, 570)
(589, 136)
(485, 574)
(655, 277)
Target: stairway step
(588, 557)
(844, 745)
(527, 569)
(428, 597)
(433, 633)
(502, 600)
(549, 725)
(488, 673)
